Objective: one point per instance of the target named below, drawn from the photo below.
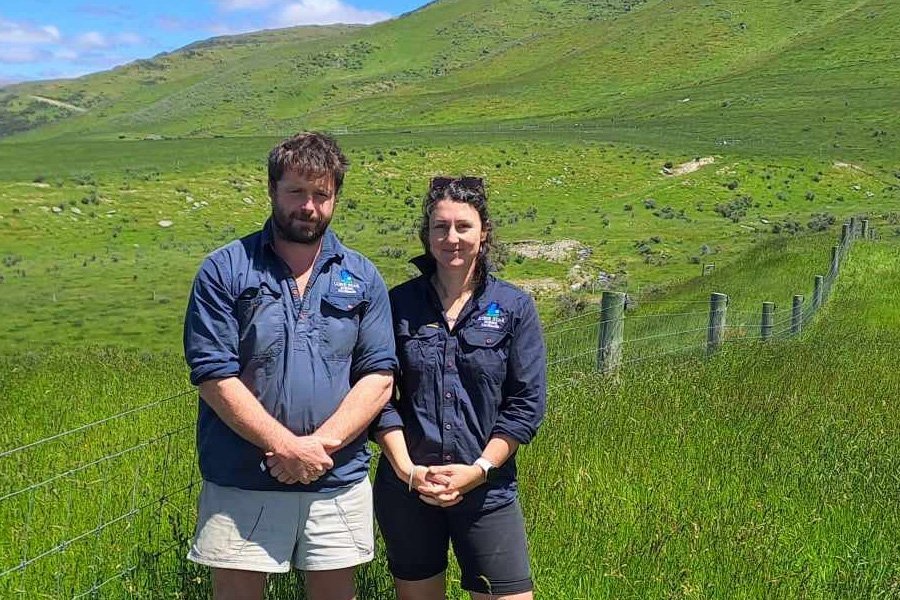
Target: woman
(472, 388)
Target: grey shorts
(270, 531)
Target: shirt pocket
(340, 325)
(484, 354)
(418, 348)
(262, 322)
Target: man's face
(302, 207)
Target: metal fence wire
(107, 509)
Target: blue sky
(57, 38)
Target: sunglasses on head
(439, 184)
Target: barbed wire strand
(95, 423)
(93, 463)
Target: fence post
(718, 305)
(835, 260)
(818, 288)
(797, 315)
(864, 234)
(612, 327)
(845, 236)
(768, 320)
(853, 226)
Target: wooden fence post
(797, 315)
(818, 288)
(852, 227)
(845, 236)
(612, 328)
(718, 306)
(864, 234)
(835, 260)
(768, 320)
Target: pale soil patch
(59, 103)
(558, 251)
(538, 287)
(689, 167)
(845, 165)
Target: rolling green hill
(817, 73)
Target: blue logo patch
(493, 317)
(346, 284)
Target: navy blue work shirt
(458, 388)
(298, 353)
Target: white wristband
(412, 475)
(485, 465)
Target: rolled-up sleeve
(525, 387)
(211, 330)
(374, 350)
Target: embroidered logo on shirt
(493, 317)
(346, 284)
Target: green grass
(85, 261)
(767, 471)
(770, 76)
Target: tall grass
(768, 471)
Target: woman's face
(455, 234)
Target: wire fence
(107, 509)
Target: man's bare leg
(231, 584)
(330, 585)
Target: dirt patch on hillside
(689, 167)
(558, 251)
(540, 287)
(846, 165)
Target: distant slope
(826, 70)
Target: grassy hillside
(767, 471)
(85, 258)
(818, 74)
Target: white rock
(250, 200)
(56, 209)
(165, 223)
(76, 210)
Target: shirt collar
(427, 266)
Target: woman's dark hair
(469, 190)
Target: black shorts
(490, 546)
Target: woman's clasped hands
(445, 485)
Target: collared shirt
(459, 387)
(298, 352)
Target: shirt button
(448, 395)
(447, 426)
(448, 457)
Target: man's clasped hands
(304, 459)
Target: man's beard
(296, 230)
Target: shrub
(736, 209)
(569, 305)
(820, 221)
(391, 251)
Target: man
(288, 336)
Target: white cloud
(66, 54)
(26, 43)
(126, 38)
(23, 34)
(325, 12)
(91, 41)
(231, 5)
(19, 55)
